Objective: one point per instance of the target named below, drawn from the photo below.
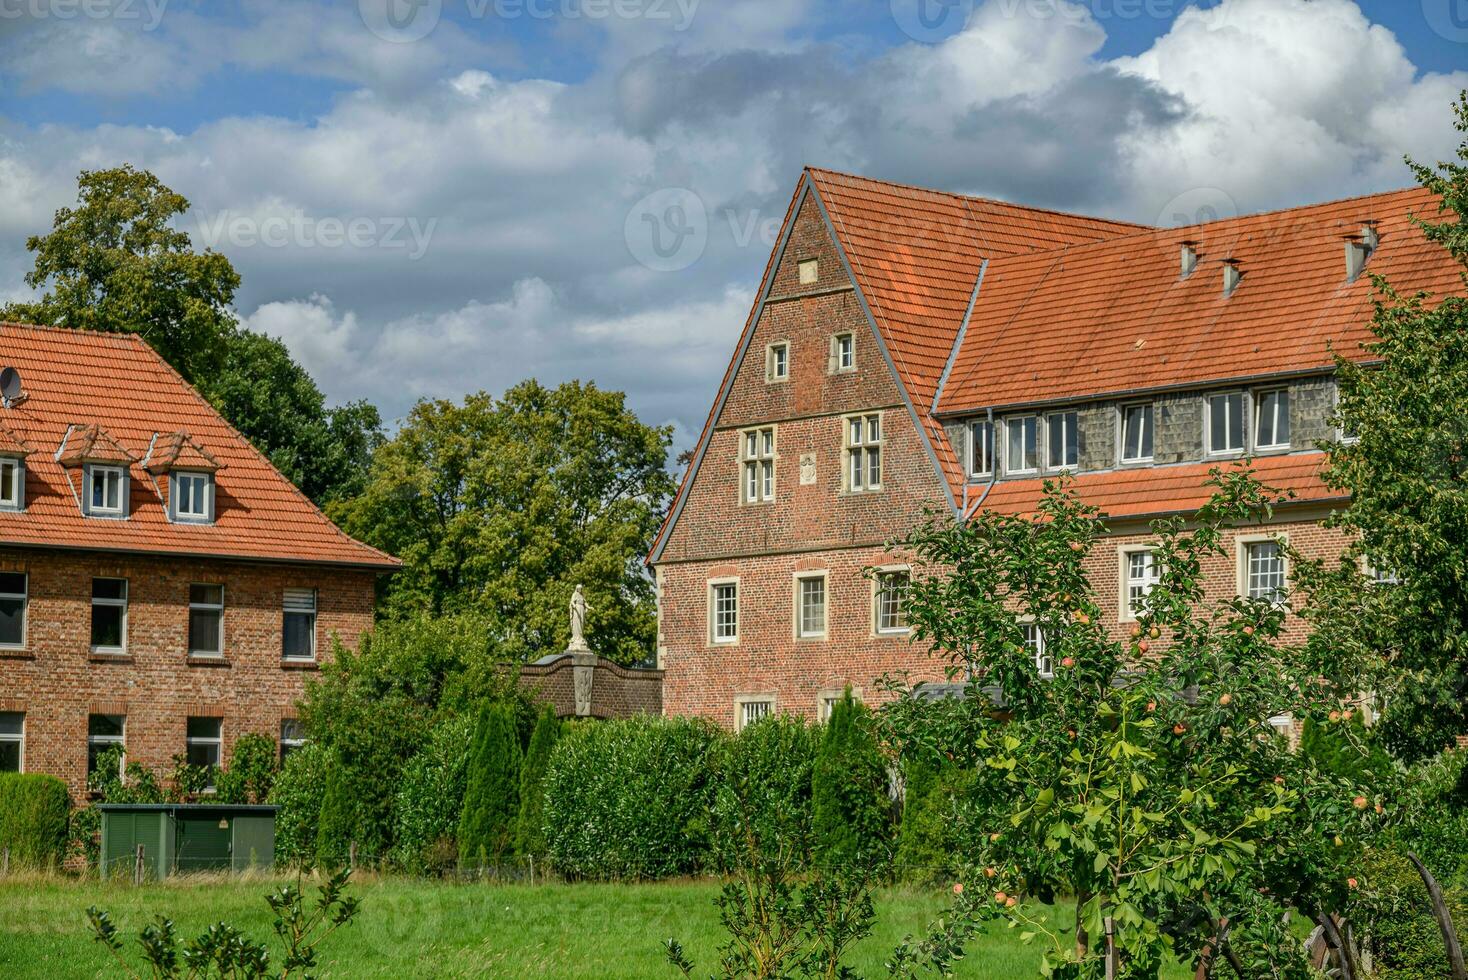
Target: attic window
(1231, 277)
(191, 497)
(105, 493)
(810, 271)
(1189, 261)
(12, 483)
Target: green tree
(503, 506)
(530, 830)
(1407, 475)
(338, 826)
(850, 811)
(115, 262)
(492, 792)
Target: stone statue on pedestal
(578, 621)
(583, 660)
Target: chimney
(1359, 249)
(1189, 259)
(1231, 277)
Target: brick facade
(57, 681)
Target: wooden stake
(138, 866)
(1113, 965)
(352, 856)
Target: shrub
(762, 797)
(1434, 810)
(34, 815)
(1343, 748)
(1392, 914)
(338, 825)
(492, 789)
(251, 771)
(850, 810)
(298, 791)
(626, 799)
(430, 798)
(529, 833)
(930, 821)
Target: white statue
(578, 620)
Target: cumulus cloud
(521, 183)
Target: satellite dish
(10, 384)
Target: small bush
(34, 819)
(762, 800)
(1434, 808)
(431, 797)
(850, 809)
(1392, 914)
(930, 821)
(298, 791)
(251, 772)
(628, 798)
(529, 832)
(492, 789)
(339, 824)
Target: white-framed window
(1139, 575)
(1272, 419)
(1263, 570)
(1343, 432)
(1062, 441)
(748, 710)
(843, 352)
(864, 453)
(1036, 643)
(105, 492)
(1379, 575)
(810, 606)
(809, 271)
(191, 496)
(206, 620)
(757, 451)
(981, 441)
(1021, 449)
(1136, 433)
(292, 736)
(104, 732)
(14, 588)
(12, 483)
(1226, 422)
(724, 612)
(298, 624)
(890, 601)
(204, 745)
(827, 700)
(109, 615)
(777, 362)
(12, 741)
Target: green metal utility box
(184, 837)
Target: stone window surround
(770, 376)
(712, 585)
(876, 590)
(745, 461)
(1241, 562)
(827, 696)
(798, 580)
(835, 366)
(741, 700)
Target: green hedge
(629, 798)
(762, 801)
(430, 798)
(34, 815)
(298, 790)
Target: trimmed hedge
(431, 797)
(34, 819)
(629, 798)
(1393, 916)
(762, 803)
(850, 809)
(298, 790)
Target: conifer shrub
(529, 833)
(491, 789)
(34, 819)
(850, 807)
(628, 799)
(338, 824)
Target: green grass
(417, 929)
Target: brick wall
(616, 691)
(705, 678)
(57, 681)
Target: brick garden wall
(57, 681)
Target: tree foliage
(1407, 474)
(529, 829)
(850, 810)
(492, 790)
(502, 506)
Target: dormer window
(105, 493)
(12, 484)
(191, 497)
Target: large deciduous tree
(1407, 473)
(116, 262)
(502, 506)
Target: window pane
(109, 588)
(874, 428)
(9, 482)
(105, 726)
(1137, 432)
(1266, 578)
(12, 622)
(982, 434)
(1061, 440)
(203, 754)
(204, 727)
(12, 722)
(1226, 423)
(12, 583)
(206, 594)
(9, 755)
(107, 626)
(891, 608)
(204, 631)
(856, 428)
(874, 467)
(812, 606)
(299, 635)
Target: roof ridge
(74, 331)
(970, 198)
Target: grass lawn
(416, 929)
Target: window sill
(288, 663)
(206, 660)
(892, 634)
(103, 657)
(16, 653)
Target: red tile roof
(80, 380)
(179, 451)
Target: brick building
(162, 586)
(911, 349)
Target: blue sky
(424, 202)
